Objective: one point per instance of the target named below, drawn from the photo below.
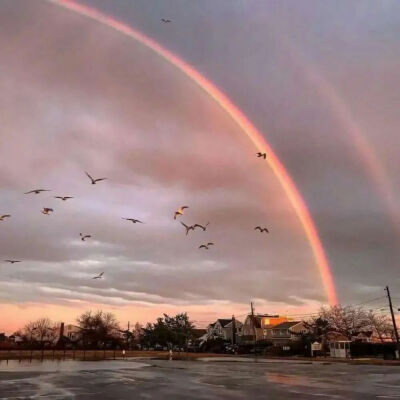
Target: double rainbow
(247, 127)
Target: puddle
(68, 365)
(295, 380)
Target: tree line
(101, 330)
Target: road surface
(197, 380)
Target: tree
(181, 328)
(97, 329)
(168, 331)
(346, 320)
(380, 325)
(42, 330)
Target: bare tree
(42, 330)
(381, 325)
(346, 320)
(98, 328)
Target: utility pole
(396, 333)
(254, 329)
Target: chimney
(233, 330)
(61, 331)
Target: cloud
(94, 100)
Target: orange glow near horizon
(248, 128)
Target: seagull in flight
(261, 229)
(188, 228)
(84, 237)
(47, 211)
(263, 155)
(201, 226)
(133, 220)
(206, 246)
(4, 216)
(99, 276)
(63, 198)
(12, 261)
(94, 181)
(166, 21)
(37, 191)
(180, 211)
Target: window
(341, 346)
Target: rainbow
(374, 168)
(247, 127)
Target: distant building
(224, 329)
(72, 332)
(286, 332)
(261, 325)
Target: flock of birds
(177, 214)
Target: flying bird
(99, 276)
(63, 198)
(263, 155)
(166, 21)
(201, 226)
(37, 191)
(188, 228)
(261, 229)
(206, 246)
(12, 261)
(94, 181)
(180, 211)
(4, 216)
(84, 237)
(133, 220)
(47, 211)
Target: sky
(320, 81)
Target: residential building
(72, 332)
(286, 332)
(223, 328)
(261, 325)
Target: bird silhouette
(180, 211)
(263, 155)
(133, 220)
(204, 227)
(47, 211)
(188, 228)
(4, 216)
(261, 229)
(206, 246)
(166, 21)
(84, 237)
(37, 191)
(12, 261)
(99, 276)
(94, 181)
(63, 198)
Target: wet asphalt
(165, 380)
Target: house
(72, 332)
(261, 325)
(224, 329)
(286, 332)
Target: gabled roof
(224, 322)
(286, 325)
(197, 332)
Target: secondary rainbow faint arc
(236, 114)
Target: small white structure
(316, 346)
(340, 348)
